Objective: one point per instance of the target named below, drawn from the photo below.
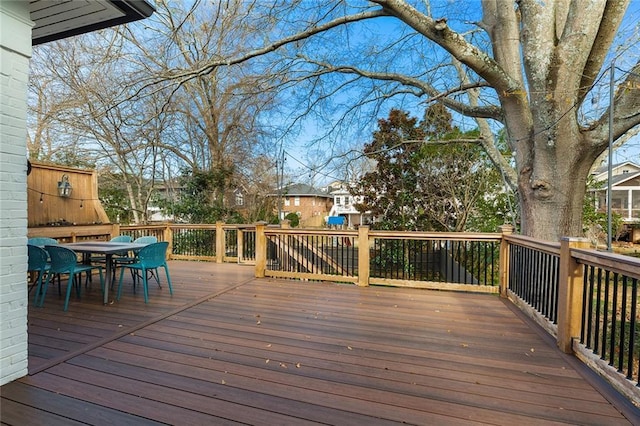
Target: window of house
(619, 199)
(296, 201)
(239, 199)
(287, 202)
(338, 201)
(635, 203)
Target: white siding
(15, 50)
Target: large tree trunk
(552, 190)
(563, 48)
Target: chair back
(121, 239)
(153, 255)
(42, 241)
(63, 260)
(147, 239)
(38, 258)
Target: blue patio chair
(122, 239)
(65, 261)
(42, 241)
(125, 259)
(118, 239)
(147, 239)
(38, 264)
(150, 258)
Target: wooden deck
(229, 349)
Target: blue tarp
(335, 220)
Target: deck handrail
(614, 262)
(566, 286)
(533, 243)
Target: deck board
(229, 349)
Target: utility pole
(280, 183)
(610, 166)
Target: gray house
(625, 194)
(625, 190)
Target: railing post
(167, 236)
(240, 243)
(115, 230)
(363, 256)
(569, 293)
(503, 268)
(219, 242)
(261, 249)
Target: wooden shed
(60, 215)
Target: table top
(104, 247)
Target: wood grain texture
(230, 349)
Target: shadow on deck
(227, 348)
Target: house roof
(618, 180)
(340, 191)
(303, 190)
(602, 171)
(57, 19)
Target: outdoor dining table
(108, 249)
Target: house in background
(344, 205)
(625, 194)
(236, 198)
(310, 204)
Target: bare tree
(120, 137)
(91, 95)
(527, 66)
(216, 114)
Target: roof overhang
(57, 19)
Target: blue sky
(302, 158)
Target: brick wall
(15, 50)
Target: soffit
(56, 19)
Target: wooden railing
(364, 257)
(72, 234)
(609, 315)
(587, 300)
(218, 242)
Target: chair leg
(166, 270)
(154, 273)
(113, 275)
(44, 289)
(69, 286)
(145, 284)
(134, 278)
(77, 279)
(102, 279)
(120, 284)
(38, 285)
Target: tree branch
(454, 43)
(611, 19)
(626, 109)
(492, 112)
(211, 65)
